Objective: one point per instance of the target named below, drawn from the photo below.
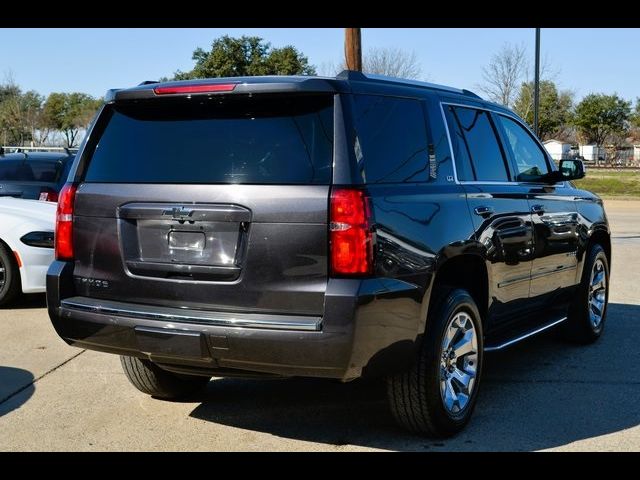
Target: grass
(612, 183)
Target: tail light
(48, 195)
(64, 223)
(350, 235)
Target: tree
(635, 117)
(555, 107)
(599, 116)
(20, 116)
(246, 56)
(11, 124)
(9, 92)
(504, 73)
(32, 118)
(69, 113)
(391, 61)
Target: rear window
(230, 139)
(30, 171)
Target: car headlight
(38, 239)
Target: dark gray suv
(323, 227)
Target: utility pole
(536, 86)
(353, 49)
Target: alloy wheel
(597, 293)
(458, 363)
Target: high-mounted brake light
(350, 235)
(210, 88)
(64, 223)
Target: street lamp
(536, 86)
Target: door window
(530, 161)
(480, 147)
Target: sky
(93, 60)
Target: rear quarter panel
(417, 227)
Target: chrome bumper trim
(221, 319)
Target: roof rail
(359, 76)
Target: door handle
(483, 211)
(539, 209)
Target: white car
(26, 245)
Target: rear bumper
(349, 337)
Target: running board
(495, 348)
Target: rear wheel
(587, 313)
(152, 380)
(9, 276)
(436, 396)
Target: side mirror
(572, 169)
(568, 170)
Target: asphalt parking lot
(540, 395)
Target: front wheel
(437, 395)
(587, 313)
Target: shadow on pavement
(540, 394)
(12, 381)
(32, 300)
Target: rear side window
(231, 139)
(30, 171)
(390, 141)
(478, 145)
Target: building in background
(592, 153)
(558, 149)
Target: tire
(583, 326)
(152, 380)
(9, 276)
(415, 396)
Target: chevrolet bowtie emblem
(179, 213)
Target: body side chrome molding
(564, 268)
(219, 319)
(520, 184)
